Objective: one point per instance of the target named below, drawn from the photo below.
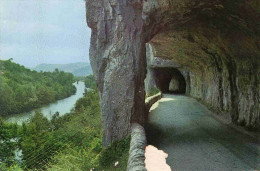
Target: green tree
(22, 89)
(7, 143)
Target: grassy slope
(86, 120)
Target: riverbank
(22, 90)
(62, 106)
(70, 142)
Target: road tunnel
(170, 80)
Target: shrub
(152, 92)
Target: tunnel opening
(170, 80)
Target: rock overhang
(214, 43)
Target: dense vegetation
(22, 89)
(69, 142)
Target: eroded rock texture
(118, 59)
(220, 50)
(215, 44)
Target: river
(62, 106)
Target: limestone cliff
(219, 47)
(215, 44)
(117, 56)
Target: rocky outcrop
(117, 56)
(223, 72)
(215, 45)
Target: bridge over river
(195, 140)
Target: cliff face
(117, 57)
(214, 44)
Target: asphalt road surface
(194, 140)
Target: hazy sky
(44, 31)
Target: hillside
(79, 69)
(69, 142)
(22, 89)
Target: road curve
(194, 140)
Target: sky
(44, 31)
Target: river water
(62, 106)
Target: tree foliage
(153, 92)
(22, 89)
(90, 82)
(70, 142)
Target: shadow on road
(186, 130)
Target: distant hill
(79, 69)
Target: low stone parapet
(151, 100)
(137, 149)
(136, 160)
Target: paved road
(194, 140)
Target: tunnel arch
(170, 80)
